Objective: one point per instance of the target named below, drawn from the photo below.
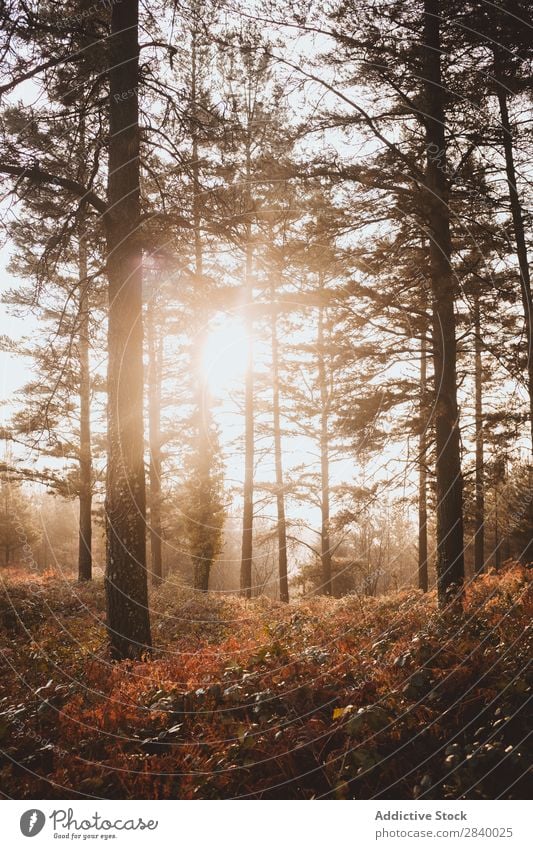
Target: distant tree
(19, 530)
(253, 126)
(203, 505)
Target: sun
(225, 354)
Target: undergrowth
(323, 698)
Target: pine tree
(128, 619)
(18, 525)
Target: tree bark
(450, 556)
(278, 462)
(520, 239)
(325, 550)
(249, 436)
(85, 461)
(479, 518)
(154, 424)
(423, 583)
(497, 541)
(203, 559)
(128, 619)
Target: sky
(14, 370)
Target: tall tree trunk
(278, 462)
(128, 619)
(154, 438)
(520, 239)
(422, 472)
(479, 518)
(497, 541)
(249, 436)
(450, 556)
(204, 455)
(85, 495)
(325, 552)
(521, 249)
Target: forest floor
(348, 698)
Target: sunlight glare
(224, 358)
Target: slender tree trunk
(450, 556)
(479, 519)
(85, 496)
(154, 424)
(249, 436)
(422, 473)
(278, 461)
(507, 549)
(325, 554)
(497, 541)
(520, 240)
(204, 453)
(128, 619)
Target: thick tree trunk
(278, 462)
(479, 517)
(450, 556)
(325, 552)
(520, 240)
(422, 473)
(85, 494)
(249, 436)
(154, 438)
(128, 619)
